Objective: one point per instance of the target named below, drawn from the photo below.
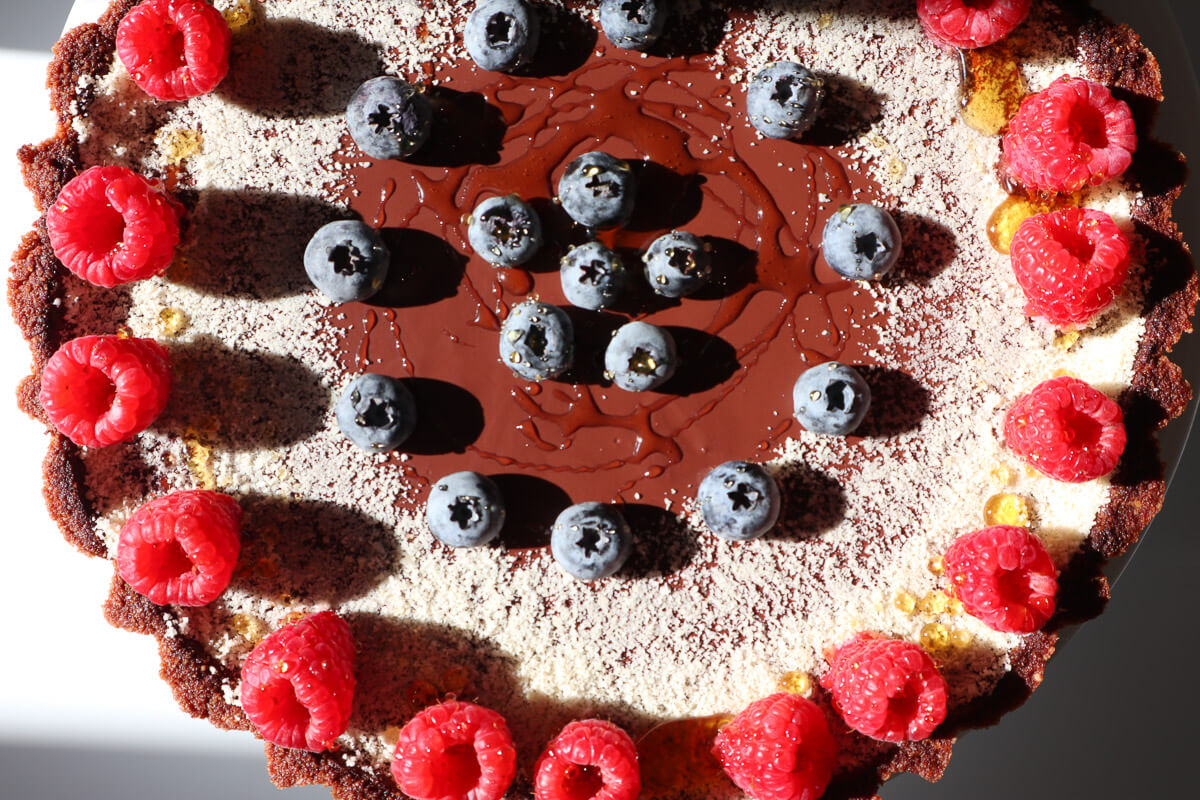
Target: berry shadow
(734, 267)
(449, 418)
(593, 331)
(527, 524)
(813, 503)
(559, 234)
(467, 129)
(311, 551)
(848, 110)
(566, 42)
(424, 269)
(248, 243)
(696, 33)
(240, 400)
(662, 544)
(290, 68)
(666, 199)
(928, 249)
(705, 362)
(898, 403)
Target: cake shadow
(899, 402)
(449, 418)
(253, 242)
(240, 400)
(295, 69)
(813, 503)
(424, 269)
(663, 545)
(311, 551)
(929, 248)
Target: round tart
(893, 546)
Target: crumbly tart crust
(41, 293)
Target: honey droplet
(239, 14)
(936, 565)
(676, 757)
(124, 332)
(199, 460)
(172, 322)
(455, 680)
(1009, 215)
(1006, 509)
(935, 636)
(993, 88)
(796, 682)
(1066, 340)
(961, 638)
(249, 628)
(1003, 474)
(420, 694)
(934, 603)
(906, 602)
(391, 735)
(180, 145)
(955, 607)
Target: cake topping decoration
(593, 276)
(861, 242)
(502, 35)
(831, 398)
(1071, 135)
(1004, 577)
(455, 751)
(298, 683)
(1007, 509)
(110, 225)
(1071, 264)
(182, 548)
(1067, 430)
(678, 264)
(778, 748)
(389, 118)
(633, 24)
(640, 357)
(971, 23)
(175, 49)
(505, 231)
(783, 100)
(739, 501)
(598, 190)
(537, 341)
(465, 509)
(101, 390)
(887, 689)
(589, 759)
(347, 260)
(377, 413)
(591, 541)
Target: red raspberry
(1067, 430)
(175, 49)
(298, 683)
(589, 760)
(887, 689)
(1073, 134)
(1070, 263)
(101, 390)
(455, 751)
(779, 748)
(971, 23)
(182, 548)
(1005, 577)
(110, 225)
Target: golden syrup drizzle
(993, 87)
(1015, 209)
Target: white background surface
(1115, 719)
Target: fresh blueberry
(678, 264)
(377, 413)
(592, 276)
(633, 24)
(591, 541)
(861, 242)
(502, 35)
(505, 231)
(640, 357)
(598, 190)
(739, 501)
(783, 100)
(389, 118)
(465, 509)
(537, 341)
(347, 260)
(831, 398)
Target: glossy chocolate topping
(774, 308)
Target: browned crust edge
(1158, 393)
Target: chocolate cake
(693, 628)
